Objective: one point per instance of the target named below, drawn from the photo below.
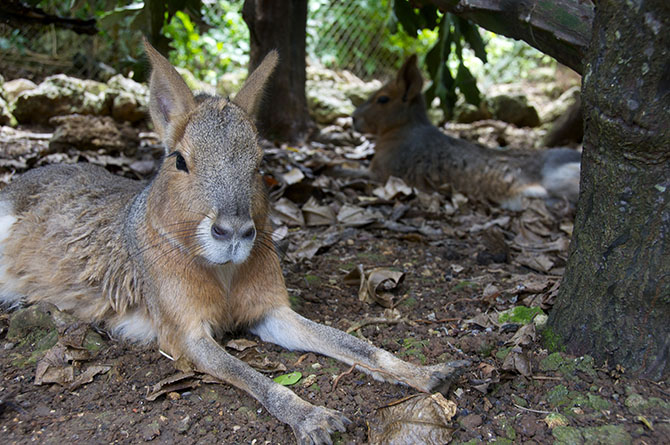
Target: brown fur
(410, 147)
(182, 258)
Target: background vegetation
(209, 38)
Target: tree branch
(559, 28)
(15, 12)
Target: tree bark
(559, 28)
(614, 301)
(281, 25)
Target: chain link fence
(341, 34)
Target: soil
(463, 265)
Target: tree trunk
(281, 25)
(614, 301)
(559, 28)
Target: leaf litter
(423, 275)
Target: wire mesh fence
(341, 34)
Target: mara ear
(409, 79)
(249, 96)
(169, 96)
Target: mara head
(397, 103)
(208, 197)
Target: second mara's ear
(249, 96)
(409, 79)
(170, 97)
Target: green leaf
(474, 39)
(407, 17)
(288, 379)
(467, 84)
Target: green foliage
(519, 314)
(445, 62)
(209, 51)
(289, 379)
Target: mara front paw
(440, 377)
(315, 426)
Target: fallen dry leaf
(421, 418)
(318, 215)
(87, 376)
(288, 212)
(240, 344)
(393, 187)
(517, 361)
(355, 216)
(176, 382)
(524, 336)
(374, 286)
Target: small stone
(184, 424)
(471, 421)
(309, 380)
(174, 396)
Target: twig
(532, 410)
(546, 377)
(373, 320)
(441, 320)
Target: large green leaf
(467, 85)
(454, 34)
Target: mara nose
(222, 231)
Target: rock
(61, 95)
(6, 117)
(129, 99)
(466, 113)
(193, 83)
(12, 88)
(92, 133)
(569, 126)
(331, 94)
(559, 106)
(230, 83)
(471, 421)
(514, 109)
(327, 103)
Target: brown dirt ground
(446, 283)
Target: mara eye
(180, 162)
(382, 99)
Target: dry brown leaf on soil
(260, 362)
(305, 250)
(318, 215)
(87, 376)
(421, 418)
(484, 320)
(517, 361)
(538, 262)
(502, 221)
(355, 216)
(293, 176)
(176, 382)
(361, 151)
(240, 344)
(288, 213)
(393, 187)
(54, 367)
(524, 336)
(374, 286)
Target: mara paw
(316, 426)
(440, 377)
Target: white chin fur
(8, 295)
(221, 252)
